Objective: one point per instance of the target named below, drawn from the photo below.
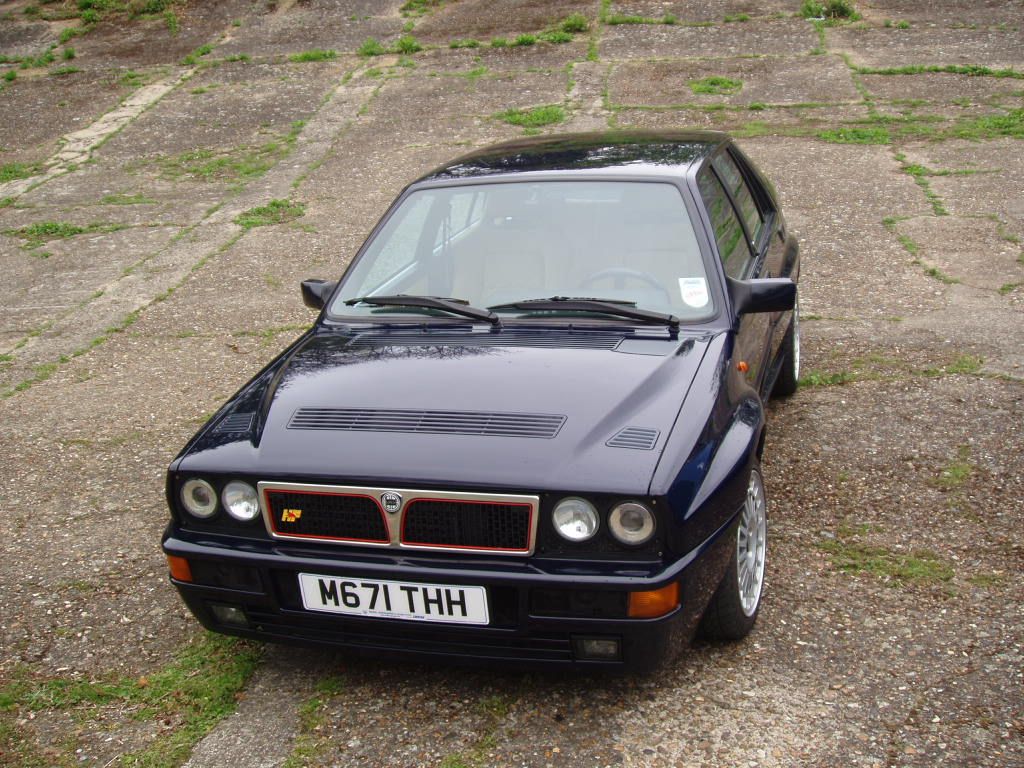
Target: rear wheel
(733, 609)
(786, 382)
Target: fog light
(656, 602)
(598, 648)
(229, 614)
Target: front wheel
(733, 609)
(789, 375)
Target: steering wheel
(621, 274)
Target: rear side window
(733, 180)
(732, 245)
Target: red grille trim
(288, 535)
(450, 547)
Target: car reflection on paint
(526, 426)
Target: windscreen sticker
(694, 291)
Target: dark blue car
(527, 424)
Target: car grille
(326, 516)
(473, 525)
(471, 522)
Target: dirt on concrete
(891, 631)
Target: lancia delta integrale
(527, 424)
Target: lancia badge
(392, 501)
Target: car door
(742, 246)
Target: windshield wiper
(617, 308)
(455, 306)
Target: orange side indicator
(742, 366)
(180, 569)
(657, 602)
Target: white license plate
(394, 599)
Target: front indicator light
(241, 501)
(199, 497)
(655, 603)
(631, 523)
(180, 569)
(575, 519)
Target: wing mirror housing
(315, 292)
(773, 294)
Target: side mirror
(774, 294)
(316, 292)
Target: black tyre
(733, 609)
(789, 375)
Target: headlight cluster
(239, 499)
(576, 520)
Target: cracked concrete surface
(903, 447)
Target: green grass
(973, 70)
(829, 9)
(195, 691)
(61, 71)
(556, 36)
(956, 472)
(855, 135)
(124, 199)
(314, 54)
(574, 24)
(41, 60)
(68, 54)
(537, 117)
(615, 19)
(499, 42)
(419, 7)
(964, 365)
(10, 75)
(172, 23)
(731, 18)
(524, 40)
(455, 44)
(371, 47)
(6, 202)
(42, 232)
(716, 85)
(236, 165)
(193, 58)
(274, 212)
(407, 44)
(919, 567)
(825, 379)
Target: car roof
(647, 153)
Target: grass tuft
(533, 118)
(716, 85)
(407, 44)
(371, 47)
(919, 567)
(314, 54)
(274, 212)
(868, 135)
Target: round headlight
(575, 519)
(631, 523)
(199, 497)
(240, 501)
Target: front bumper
(261, 579)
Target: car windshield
(502, 243)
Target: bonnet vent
(640, 438)
(236, 422)
(547, 338)
(430, 422)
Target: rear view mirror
(316, 292)
(775, 294)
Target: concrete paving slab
(714, 11)
(873, 47)
(743, 122)
(967, 249)
(520, 58)
(482, 20)
(808, 79)
(997, 190)
(951, 14)
(787, 37)
(37, 109)
(943, 88)
(323, 24)
(21, 38)
(248, 106)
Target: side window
(398, 243)
(732, 245)
(733, 179)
